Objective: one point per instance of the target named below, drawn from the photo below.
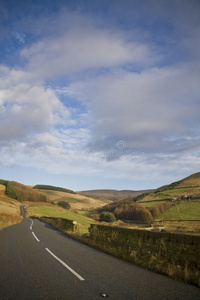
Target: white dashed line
(35, 237)
(58, 259)
(31, 227)
(66, 266)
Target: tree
(133, 212)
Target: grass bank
(9, 210)
(83, 223)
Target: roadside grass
(58, 212)
(9, 210)
(187, 210)
(182, 226)
(9, 219)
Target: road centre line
(31, 227)
(35, 236)
(65, 265)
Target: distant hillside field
(76, 201)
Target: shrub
(107, 217)
(64, 204)
(155, 212)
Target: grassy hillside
(76, 201)
(187, 187)
(185, 211)
(178, 201)
(20, 192)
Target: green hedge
(61, 223)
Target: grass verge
(58, 212)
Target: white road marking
(66, 266)
(31, 227)
(35, 236)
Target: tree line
(54, 188)
(135, 212)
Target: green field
(151, 203)
(57, 212)
(186, 211)
(177, 191)
(67, 199)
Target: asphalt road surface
(39, 262)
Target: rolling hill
(77, 201)
(175, 202)
(111, 195)
(178, 201)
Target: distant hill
(112, 195)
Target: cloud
(57, 160)
(157, 108)
(114, 94)
(27, 108)
(84, 48)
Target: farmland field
(187, 210)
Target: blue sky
(99, 94)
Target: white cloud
(133, 87)
(85, 48)
(27, 107)
(144, 109)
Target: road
(39, 262)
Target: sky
(99, 94)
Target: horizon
(99, 94)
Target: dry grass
(33, 203)
(9, 210)
(182, 226)
(82, 202)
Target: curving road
(39, 262)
